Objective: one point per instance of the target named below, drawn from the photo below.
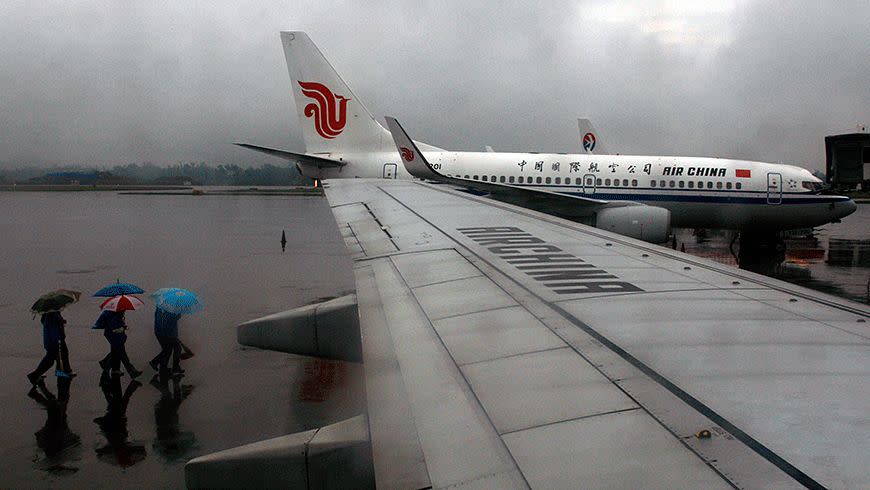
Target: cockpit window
(811, 186)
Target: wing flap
(415, 379)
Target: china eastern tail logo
(588, 141)
(407, 154)
(329, 111)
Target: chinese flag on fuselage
(743, 172)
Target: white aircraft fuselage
(699, 192)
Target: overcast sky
(101, 83)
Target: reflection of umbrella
(55, 301)
(119, 288)
(178, 301)
(122, 303)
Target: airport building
(848, 160)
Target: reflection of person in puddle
(55, 436)
(113, 424)
(170, 442)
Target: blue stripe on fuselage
(725, 197)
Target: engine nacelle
(648, 223)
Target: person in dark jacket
(54, 342)
(114, 329)
(166, 331)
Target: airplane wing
(506, 348)
(301, 158)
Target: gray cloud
(107, 82)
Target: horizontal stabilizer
(300, 158)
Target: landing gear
(761, 252)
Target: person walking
(54, 342)
(166, 331)
(114, 329)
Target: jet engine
(648, 223)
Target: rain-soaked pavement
(93, 433)
(834, 258)
(122, 433)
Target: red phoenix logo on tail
(329, 120)
(407, 154)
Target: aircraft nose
(845, 208)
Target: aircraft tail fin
(332, 117)
(589, 138)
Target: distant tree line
(149, 173)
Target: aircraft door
(589, 184)
(390, 170)
(774, 188)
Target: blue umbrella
(118, 289)
(178, 301)
(160, 292)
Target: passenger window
(624, 182)
(671, 183)
(475, 178)
(728, 185)
(589, 181)
(681, 184)
(709, 185)
(652, 183)
(606, 181)
(661, 183)
(558, 180)
(634, 182)
(511, 179)
(466, 176)
(738, 185)
(597, 181)
(719, 184)
(700, 185)
(547, 180)
(539, 180)
(691, 184)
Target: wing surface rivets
(703, 434)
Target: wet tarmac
(102, 433)
(833, 259)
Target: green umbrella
(55, 301)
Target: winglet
(413, 159)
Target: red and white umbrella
(122, 302)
